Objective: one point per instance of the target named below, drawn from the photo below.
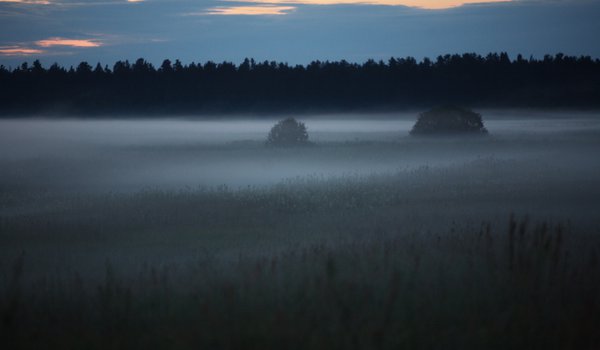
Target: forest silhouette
(492, 81)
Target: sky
(293, 31)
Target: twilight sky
(294, 31)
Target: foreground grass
(351, 263)
(530, 287)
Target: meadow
(185, 234)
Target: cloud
(70, 2)
(425, 4)
(352, 32)
(248, 10)
(50, 42)
(19, 51)
(40, 47)
(268, 10)
(34, 2)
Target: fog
(123, 155)
(80, 192)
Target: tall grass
(529, 286)
(381, 262)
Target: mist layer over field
(129, 155)
(114, 227)
(544, 165)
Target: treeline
(495, 80)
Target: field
(186, 234)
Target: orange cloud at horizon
(67, 42)
(19, 51)
(33, 2)
(48, 2)
(249, 10)
(425, 4)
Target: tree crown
(449, 120)
(288, 132)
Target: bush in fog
(448, 120)
(288, 132)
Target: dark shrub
(288, 132)
(449, 120)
